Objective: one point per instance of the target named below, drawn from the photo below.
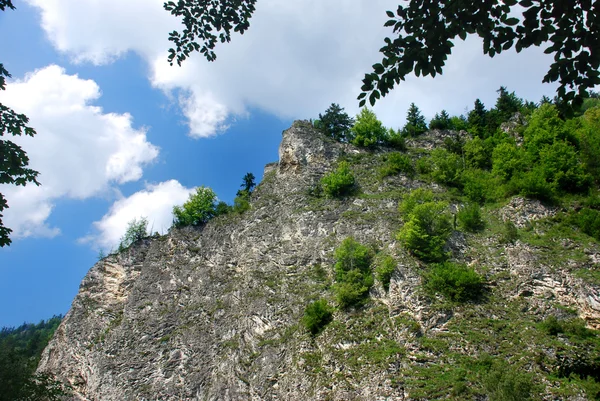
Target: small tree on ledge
(335, 123)
(415, 122)
(199, 208)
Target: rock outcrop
(213, 312)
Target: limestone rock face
(303, 147)
(214, 312)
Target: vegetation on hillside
(136, 230)
(20, 351)
(515, 149)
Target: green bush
(560, 165)
(481, 186)
(352, 255)
(339, 183)
(222, 208)
(136, 230)
(458, 123)
(424, 165)
(510, 233)
(508, 160)
(470, 218)
(368, 131)
(395, 140)
(241, 203)
(397, 163)
(552, 326)
(353, 272)
(426, 231)
(478, 154)
(589, 142)
(316, 316)
(199, 208)
(354, 290)
(384, 270)
(456, 282)
(447, 167)
(588, 221)
(454, 143)
(502, 383)
(532, 184)
(414, 198)
(544, 128)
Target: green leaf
(372, 98)
(390, 14)
(511, 21)
(518, 47)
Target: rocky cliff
(214, 312)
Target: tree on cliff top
(198, 209)
(13, 159)
(335, 123)
(424, 34)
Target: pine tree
(335, 123)
(415, 122)
(440, 121)
(248, 183)
(477, 119)
(507, 103)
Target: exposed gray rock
(522, 212)
(435, 138)
(213, 312)
(512, 126)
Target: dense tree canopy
(425, 32)
(20, 351)
(13, 159)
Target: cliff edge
(214, 312)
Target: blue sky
(120, 133)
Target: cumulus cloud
(79, 150)
(155, 202)
(296, 58)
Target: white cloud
(296, 58)
(155, 203)
(78, 150)
(100, 31)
